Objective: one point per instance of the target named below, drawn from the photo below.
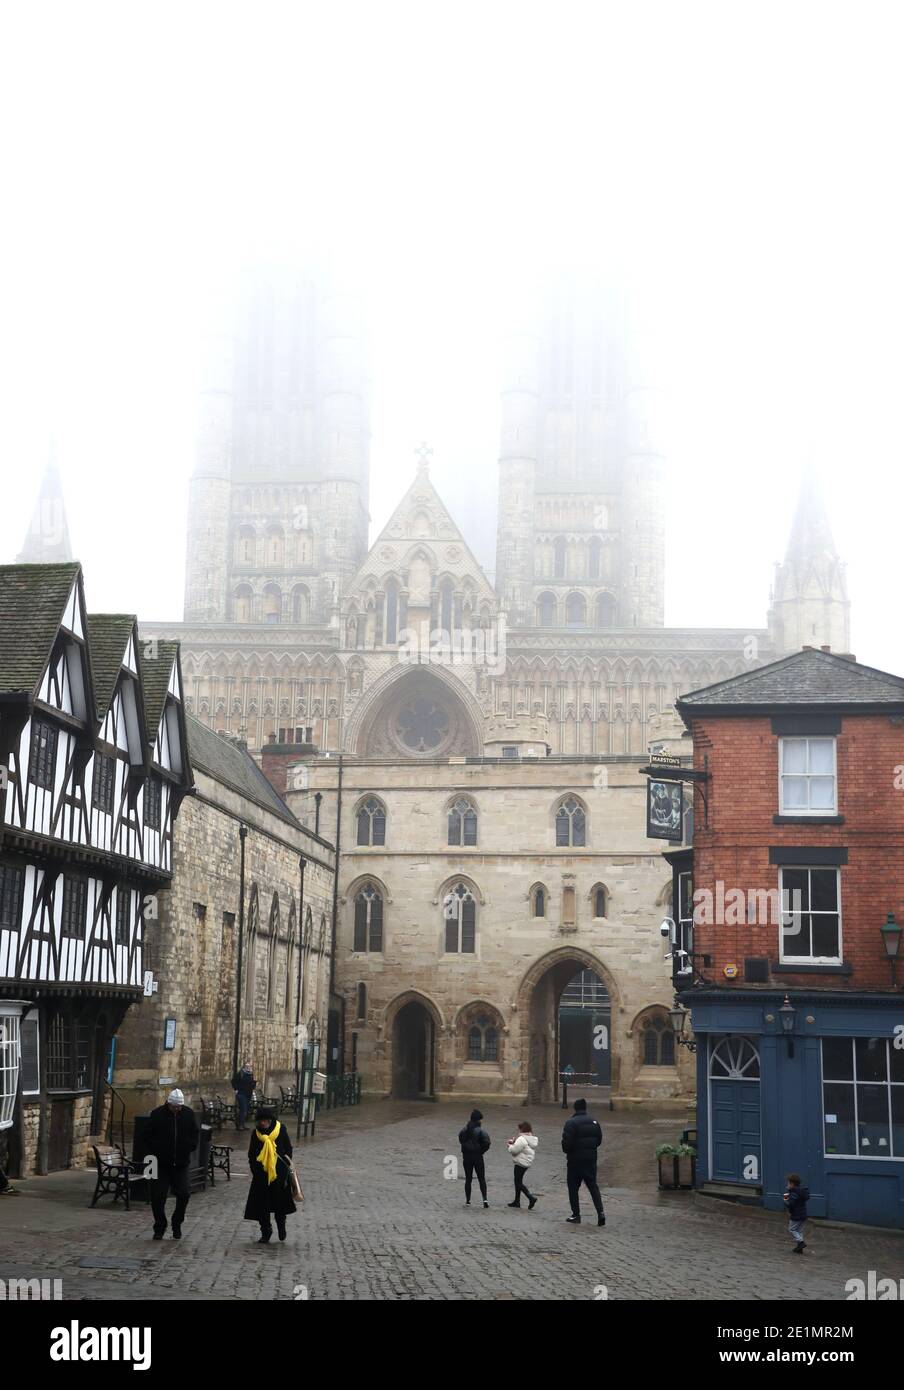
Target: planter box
(675, 1173)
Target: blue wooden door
(734, 1107)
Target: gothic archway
(566, 1002)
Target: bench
(220, 1157)
(115, 1174)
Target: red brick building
(789, 908)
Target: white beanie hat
(175, 1097)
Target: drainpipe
(318, 797)
(243, 831)
(336, 906)
(298, 1049)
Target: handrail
(122, 1117)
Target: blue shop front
(818, 1091)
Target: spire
(811, 534)
(810, 605)
(47, 540)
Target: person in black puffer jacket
(474, 1143)
(581, 1139)
(171, 1138)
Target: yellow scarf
(267, 1155)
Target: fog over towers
(581, 537)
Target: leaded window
(10, 895)
(372, 822)
(462, 823)
(43, 754)
(75, 906)
(368, 919)
(104, 782)
(658, 1042)
(152, 793)
(483, 1040)
(460, 916)
(571, 823)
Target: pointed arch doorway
(413, 1052)
(565, 999)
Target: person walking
(243, 1083)
(171, 1139)
(581, 1139)
(270, 1194)
(474, 1143)
(522, 1148)
(795, 1198)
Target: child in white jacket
(522, 1149)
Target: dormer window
(807, 778)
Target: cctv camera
(666, 926)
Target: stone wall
(193, 946)
(516, 954)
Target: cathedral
(469, 745)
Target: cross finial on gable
(422, 454)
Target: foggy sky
(736, 167)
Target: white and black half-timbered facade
(93, 767)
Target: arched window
(462, 823)
(575, 610)
(372, 822)
(657, 1041)
(368, 919)
(559, 550)
(546, 610)
(605, 610)
(598, 897)
(276, 546)
(445, 597)
(571, 823)
(244, 546)
(301, 604)
(272, 607)
(242, 603)
(593, 557)
(538, 901)
(391, 622)
(362, 1001)
(483, 1040)
(460, 917)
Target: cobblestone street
(381, 1222)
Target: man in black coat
(581, 1139)
(474, 1142)
(243, 1083)
(171, 1138)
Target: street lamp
(891, 935)
(787, 1013)
(678, 1016)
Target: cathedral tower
(279, 501)
(581, 534)
(810, 605)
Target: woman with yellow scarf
(270, 1154)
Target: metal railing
(115, 1098)
(583, 1081)
(342, 1090)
